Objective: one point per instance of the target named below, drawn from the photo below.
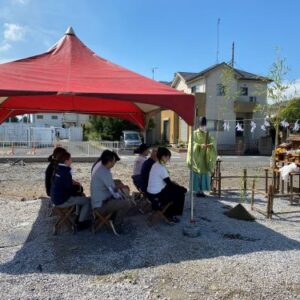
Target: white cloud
(13, 32)
(4, 47)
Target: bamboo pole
(192, 161)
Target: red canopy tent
(71, 78)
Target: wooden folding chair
(65, 218)
(142, 203)
(100, 220)
(159, 214)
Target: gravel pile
(231, 259)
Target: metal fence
(31, 148)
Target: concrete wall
(57, 120)
(77, 119)
(47, 120)
(219, 107)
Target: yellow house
(173, 129)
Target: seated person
(161, 190)
(65, 193)
(97, 163)
(142, 151)
(141, 181)
(50, 169)
(104, 193)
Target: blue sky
(171, 35)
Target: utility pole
(218, 36)
(232, 55)
(153, 71)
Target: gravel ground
(231, 259)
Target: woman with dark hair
(52, 159)
(97, 163)
(63, 193)
(161, 190)
(105, 195)
(143, 152)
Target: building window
(54, 117)
(215, 125)
(244, 91)
(220, 89)
(195, 89)
(252, 99)
(39, 117)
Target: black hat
(141, 149)
(202, 121)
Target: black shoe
(175, 219)
(83, 225)
(170, 220)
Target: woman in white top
(142, 151)
(161, 190)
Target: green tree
(291, 112)
(107, 128)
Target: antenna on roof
(232, 55)
(153, 71)
(218, 29)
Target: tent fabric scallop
(71, 78)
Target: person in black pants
(161, 190)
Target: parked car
(130, 139)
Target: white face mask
(203, 128)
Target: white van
(130, 139)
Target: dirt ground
(27, 181)
(230, 259)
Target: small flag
(296, 126)
(284, 123)
(239, 127)
(226, 125)
(253, 126)
(266, 122)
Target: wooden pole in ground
(267, 179)
(245, 180)
(291, 188)
(252, 195)
(219, 184)
(270, 202)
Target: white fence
(16, 132)
(39, 149)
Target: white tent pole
(192, 161)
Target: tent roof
(70, 77)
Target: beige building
(59, 119)
(222, 93)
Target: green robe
(204, 160)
